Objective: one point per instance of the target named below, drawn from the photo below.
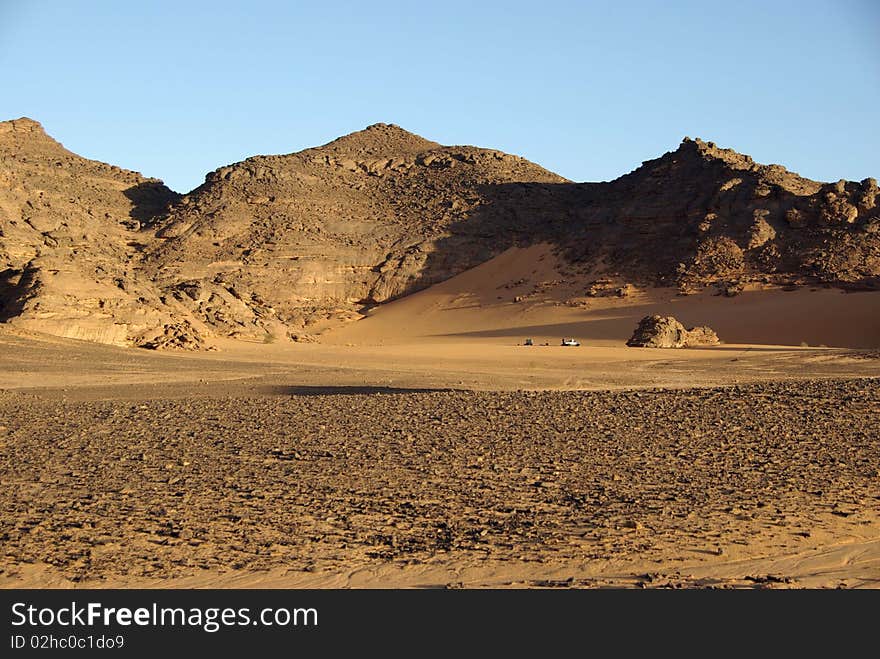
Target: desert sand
(423, 446)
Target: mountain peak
(768, 174)
(710, 151)
(22, 124)
(381, 139)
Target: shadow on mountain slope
(150, 200)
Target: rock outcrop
(667, 332)
(71, 233)
(722, 221)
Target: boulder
(761, 231)
(667, 332)
(701, 336)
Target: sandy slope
(479, 304)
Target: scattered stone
(179, 336)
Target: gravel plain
(317, 478)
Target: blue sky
(587, 89)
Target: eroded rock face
(667, 332)
(70, 239)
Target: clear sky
(587, 89)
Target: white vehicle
(570, 342)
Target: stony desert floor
(749, 467)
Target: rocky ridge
(282, 247)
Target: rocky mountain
(301, 241)
(280, 247)
(705, 216)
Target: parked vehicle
(570, 342)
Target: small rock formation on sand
(177, 336)
(667, 332)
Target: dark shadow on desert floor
(344, 390)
